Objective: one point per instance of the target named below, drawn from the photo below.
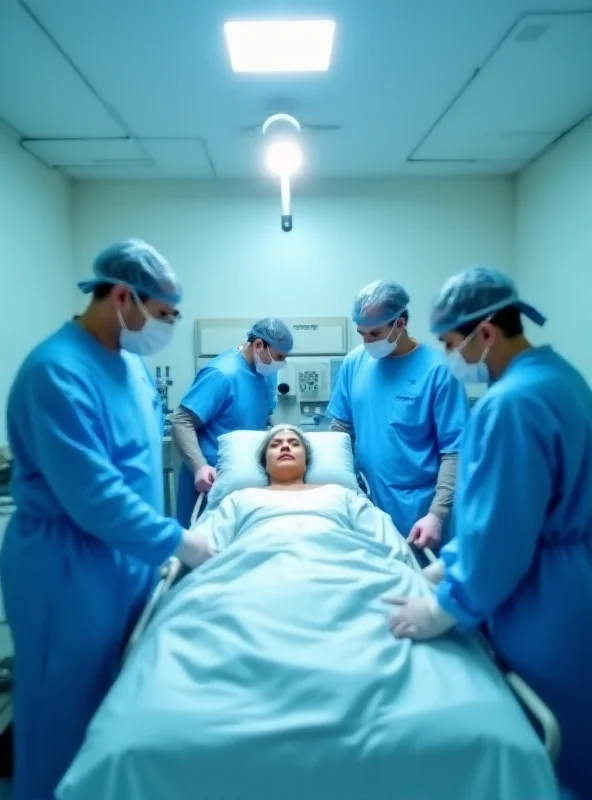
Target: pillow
(237, 468)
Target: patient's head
(285, 454)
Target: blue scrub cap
(140, 267)
(378, 303)
(476, 293)
(274, 332)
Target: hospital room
(296, 400)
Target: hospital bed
(541, 716)
(236, 472)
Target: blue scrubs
(227, 395)
(406, 412)
(80, 553)
(522, 558)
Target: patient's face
(286, 457)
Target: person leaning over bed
(234, 391)
(521, 561)
(81, 553)
(405, 412)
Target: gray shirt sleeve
(342, 427)
(444, 495)
(184, 433)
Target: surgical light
(283, 157)
(280, 45)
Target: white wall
(554, 244)
(36, 267)
(235, 261)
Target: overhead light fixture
(280, 45)
(283, 157)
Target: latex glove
(417, 618)
(426, 532)
(434, 572)
(194, 549)
(204, 478)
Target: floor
(4, 790)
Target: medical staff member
(406, 413)
(521, 562)
(81, 552)
(235, 391)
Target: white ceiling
(144, 88)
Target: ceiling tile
(40, 93)
(529, 93)
(91, 152)
(180, 156)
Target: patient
(290, 506)
(285, 456)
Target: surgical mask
(152, 337)
(477, 372)
(465, 372)
(267, 369)
(383, 347)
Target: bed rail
(551, 733)
(201, 498)
(549, 727)
(363, 484)
(169, 573)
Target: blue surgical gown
(406, 412)
(522, 559)
(80, 553)
(227, 395)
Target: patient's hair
(262, 455)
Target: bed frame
(540, 716)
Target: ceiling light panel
(280, 45)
